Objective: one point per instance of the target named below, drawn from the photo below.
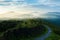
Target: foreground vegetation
(28, 28)
(21, 29)
(53, 36)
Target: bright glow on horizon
(22, 12)
(25, 9)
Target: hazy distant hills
(53, 17)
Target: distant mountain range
(53, 17)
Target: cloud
(27, 8)
(21, 11)
(11, 0)
(50, 2)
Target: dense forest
(23, 29)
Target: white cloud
(11, 0)
(17, 0)
(51, 3)
(1, 0)
(23, 10)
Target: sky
(30, 7)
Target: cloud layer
(28, 8)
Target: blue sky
(51, 5)
(37, 8)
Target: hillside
(25, 29)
